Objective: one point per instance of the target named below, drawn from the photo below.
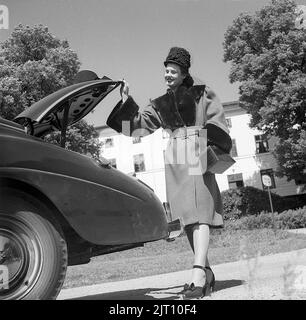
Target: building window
(234, 149)
(268, 172)
(109, 142)
(139, 163)
(113, 162)
(262, 145)
(136, 139)
(235, 180)
(228, 122)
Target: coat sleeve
(217, 130)
(127, 119)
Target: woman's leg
(189, 232)
(200, 244)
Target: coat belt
(185, 132)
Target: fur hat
(178, 56)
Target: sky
(130, 39)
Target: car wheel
(33, 257)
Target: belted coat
(193, 196)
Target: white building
(145, 156)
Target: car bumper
(175, 230)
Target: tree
(34, 64)
(267, 55)
(81, 137)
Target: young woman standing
(188, 109)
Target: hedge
(289, 219)
(249, 200)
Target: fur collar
(186, 100)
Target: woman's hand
(124, 90)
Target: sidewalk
(301, 230)
(273, 277)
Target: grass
(164, 257)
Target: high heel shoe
(185, 288)
(187, 285)
(194, 292)
(211, 280)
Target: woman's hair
(188, 81)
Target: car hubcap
(20, 258)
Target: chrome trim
(9, 169)
(175, 230)
(12, 127)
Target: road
(275, 277)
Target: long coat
(193, 196)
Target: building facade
(144, 157)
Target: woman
(193, 194)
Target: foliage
(81, 137)
(267, 56)
(291, 154)
(250, 201)
(34, 64)
(290, 219)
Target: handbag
(217, 160)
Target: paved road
(273, 277)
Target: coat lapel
(166, 109)
(186, 101)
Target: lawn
(164, 257)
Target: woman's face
(173, 76)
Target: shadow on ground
(171, 293)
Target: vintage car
(60, 208)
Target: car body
(90, 207)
